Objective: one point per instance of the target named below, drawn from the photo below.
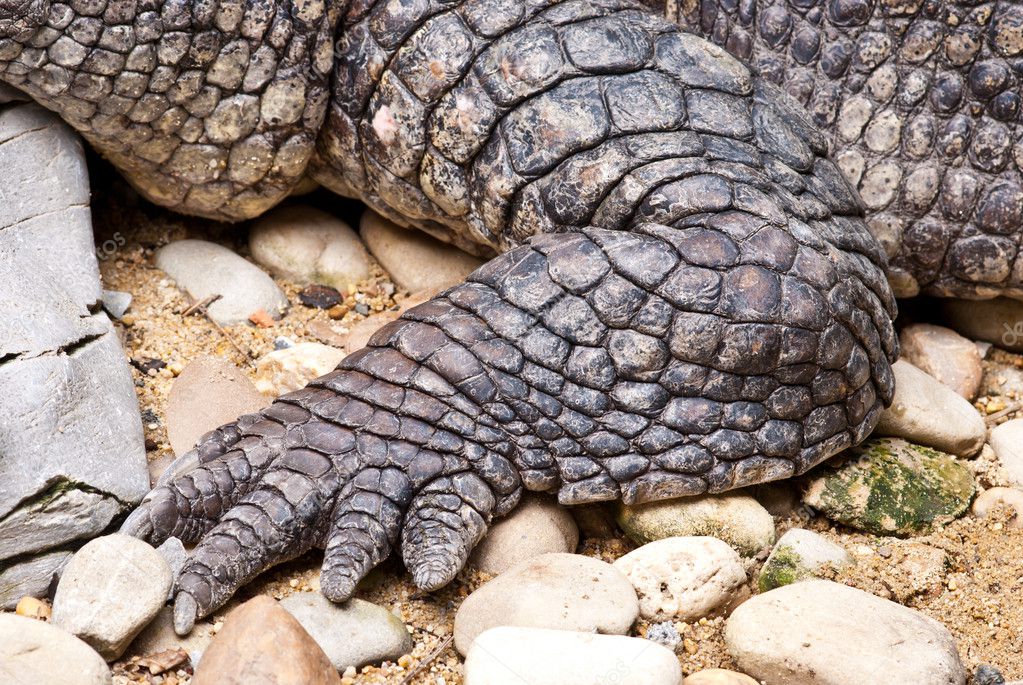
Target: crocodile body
(685, 296)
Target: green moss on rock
(784, 567)
(891, 487)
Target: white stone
(516, 656)
(683, 578)
(988, 500)
(414, 260)
(355, 633)
(560, 591)
(306, 245)
(110, 591)
(538, 525)
(823, 633)
(283, 371)
(944, 355)
(1007, 441)
(34, 653)
(927, 412)
(203, 269)
(719, 676)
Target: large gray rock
(355, 633)
(113, 587)
(928, 412)
(32, 652)
(561, 591)
(203, 269)
(823, 633)
(307, 245)
(31, 577)
(71, 434)
(414, 260)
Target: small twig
(200, 305)
(991, 418)
(428, 660)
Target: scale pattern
(921, 103)
(686, 298)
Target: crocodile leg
(686, 298)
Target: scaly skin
(920, 100)
(687, 299)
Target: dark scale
(686, 295)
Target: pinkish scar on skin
(384, 125)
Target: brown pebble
(33, 608)
(262, 644)
(261, 318)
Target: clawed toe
(186, 609)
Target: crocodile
(691, 278)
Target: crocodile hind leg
(687, 299)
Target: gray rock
(684, 578)
(202, 269)
(414, 260)
(116, 303)
(507, 655)
(1007, 442)
(355, 633)
(306, 245)
(944, 355)
(71, 435)
(174, 553)
(112, 588)
(32, 652)
(888, 486)
(159, 636)
(734, 517)
(998, 321)
(562, 591)
(822, 633)
(31, 577)
(798, 555)
(208, 393)
(537, 526)
(930, 413)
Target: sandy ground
(969, 575)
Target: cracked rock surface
(71, 449)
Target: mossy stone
(891, 487)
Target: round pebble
(818, 632)
(203, 269)
(930, 413)
(988, 500)
(734, 517)
(1007, 441)
(683, 578)
(537, 526)
(283, 371)
(319, 296)
(561, 591)
(352, 634)
(306, 245)
(414, 260)
(32, 652)
(507, 656)
(718, 676)
(945, 355)
(110, 591)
